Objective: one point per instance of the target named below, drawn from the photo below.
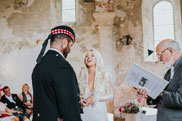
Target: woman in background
(26, 97)
(95, 87)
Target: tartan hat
(68, 31)
(58, 30)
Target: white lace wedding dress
(98, 110)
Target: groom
(55, 87)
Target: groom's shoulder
(64, 65)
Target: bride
(95, 87)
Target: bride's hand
(83, 102)
(90, 100)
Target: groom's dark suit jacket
(55, 90)
(170, 103)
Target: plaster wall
(25, 24)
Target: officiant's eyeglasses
(160, 55)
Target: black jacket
(169, 105)
(13, 105)
(55, 90)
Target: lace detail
(102, 92)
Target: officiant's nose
(160, 52)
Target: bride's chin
(90, 65)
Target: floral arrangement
(133, 106)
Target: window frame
(153, 26)
(147, 22)
(69, 23)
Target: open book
(139, 76)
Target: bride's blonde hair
(99, 73)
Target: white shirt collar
(57, 51)
(10, 98)
(172, 72)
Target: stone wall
(25, 24)
(129, 22)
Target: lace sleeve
(108, 89)
(105, 91)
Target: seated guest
(13, 102)
(6, 114)
(26, 96)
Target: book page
(140, 77)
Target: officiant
(169, 102)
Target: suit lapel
(175, 79)
(177, 69)
(167, 75)
(14, 97)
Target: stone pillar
(105, 22)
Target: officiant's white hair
(99, 72)
(173, 44)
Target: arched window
(68, 11)
(163, 20)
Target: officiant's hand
(142, 91)
(161, 93)
(90, 100)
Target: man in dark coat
(55, 86)
(169, 102)
(12, 101)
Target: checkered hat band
(63, 31)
